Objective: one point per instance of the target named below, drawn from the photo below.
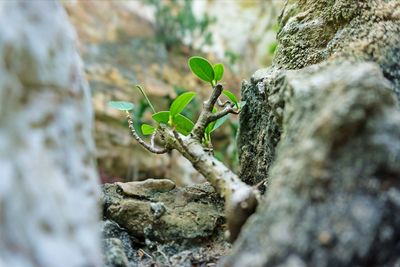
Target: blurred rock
(49, 185)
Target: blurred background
(148, 42)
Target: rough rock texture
(326, 140)
(155, 223)
(333, 198)
(118, 248)
(311, 32)
(48, 184)
(162, 214)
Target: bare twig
(222, 113)
(223, 104)
(140, 140)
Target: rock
(48, 187)
(178, 227)
(117, 244)
(328, 202)
(180, 214)
(321, 128)
(146, 188)
(114, 254)
(311, 32)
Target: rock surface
(333, 191)
(321, 127)
(152, 222)
(155, 211)
(311, 32)
(48, 186)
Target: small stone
(146, 187)
(158, 209)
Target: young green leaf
(180, 103)
(231, 97)
(202, 68)
(219, 122)
(183, 124)
(219, 71)
(121, 105)
(161, 117)
(147, 129)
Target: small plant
(193, 139)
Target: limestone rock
(48, 185)
(179, 214)
(321, 130)
(311, 32)
(333, 188)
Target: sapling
(193, 139)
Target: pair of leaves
(205, 71)
(182, 124)
(173, 117)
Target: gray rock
(114, 253)
(333, 197)
(321, 127)
(162, 215)
(112, 231)
(174, 227)
(312, 32)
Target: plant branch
(201, 124)
(215, 116)
(240, 199)
(150, 148)
(223, 104)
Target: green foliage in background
(175, 21)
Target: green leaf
(202, 68)
(219, 71)
(231, 97)
(147, 129)
(121, 105)
(161, 117)
(180, 103)
(183, 124)
(219, 122)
